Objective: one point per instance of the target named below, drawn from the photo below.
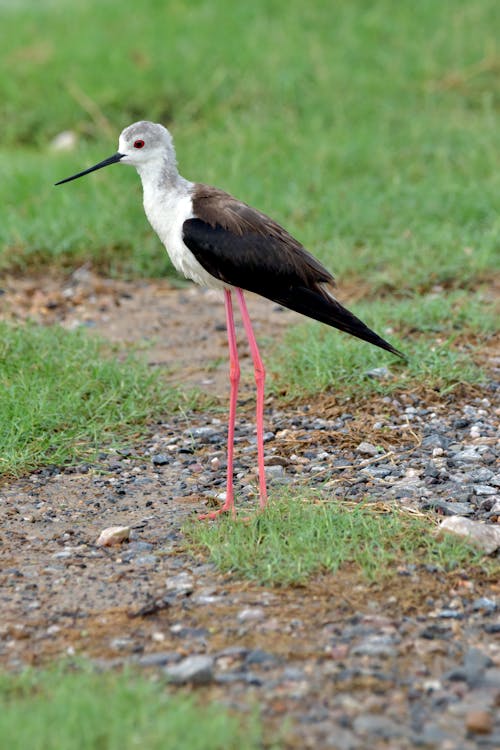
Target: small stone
(204, 434)
(381, 646)
(182, 583)
(484, 489)
(479, 722)
(251, 614)
(275, 471)
(159, 659)
(113, 535)
(377, 725)
(379, 373)
(450, 508)
(467, 456)
(484, 603)
(258, 656)
(367, 449)
(276, 461)
(484, 536)
(160, 459)
(146, 560)
(476, 662)
(196, 670)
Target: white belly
(166, 214)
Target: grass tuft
(295, 539)
(63, 395)
(83, 710)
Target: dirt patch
(180, 329)
(396, 663)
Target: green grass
(294, 540)
(370, 130)
(83, 710)
(64, 395)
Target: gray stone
(257, 656)
(475, 664)
(484, 603)
(435, 440)
(379, 373)
(451, 508)
(195, 670)
(485, 489)
(431, 736)
(160, 459)
(484, 536)
(146, 560)
(378, 472)
(203, 434)
(182, 583)
(251, 614)
(159, 659)
(378, 645)
(377, 725)
(467, 456)
(275, 471)
(367, 449)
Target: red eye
(138, 144)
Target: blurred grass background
(369, 129)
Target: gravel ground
(414, 662)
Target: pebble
(195, 670)
(484, 536)
(485, 489)
(378, 726)
(380, 373)
(260, 657)
(160, 459)
(479, 722)
(113, 535)
(382, 646)
(484, 603)
(367, 449)
(252, 614)
(158, 659)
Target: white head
(147, 146)
(146, 142)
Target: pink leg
(260, 375)
(234, 377)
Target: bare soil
(348, 663)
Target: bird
(222, 243)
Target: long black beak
(110, 160)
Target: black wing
(265, 263)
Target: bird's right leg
(234, 377)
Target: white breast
(167, 212)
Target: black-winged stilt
(220, 242)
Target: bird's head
(141, 144)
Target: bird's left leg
(234, 377)
(260, 375)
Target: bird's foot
(216, 513)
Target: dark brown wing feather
(264, 243)
(245, 248)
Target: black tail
(328, 310)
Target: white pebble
(113, 535)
